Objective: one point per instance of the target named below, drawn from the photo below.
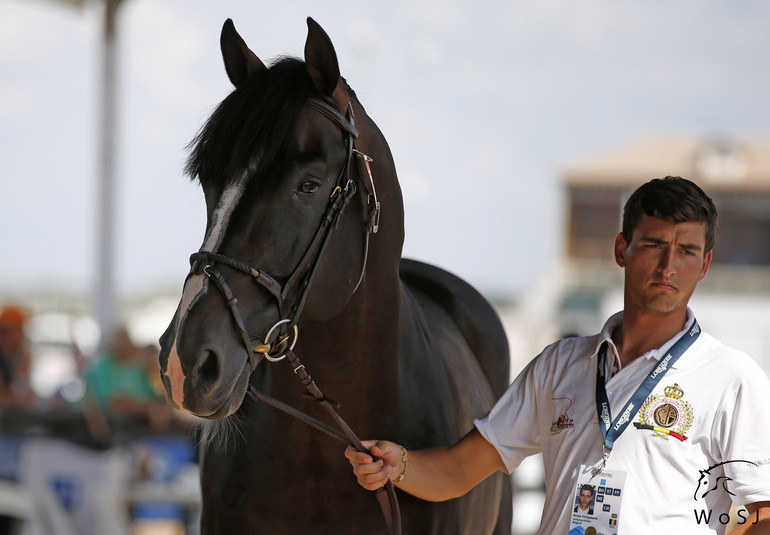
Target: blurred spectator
(14, 358)
(14, 390)
(119, 383)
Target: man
(673, 430)
(585, 497)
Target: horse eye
(308, 187)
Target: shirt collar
(617, 319)
(606, 334)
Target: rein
(278, 343)
(386, 496)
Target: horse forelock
(251, 127)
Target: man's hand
(373, 474)
(435, 474)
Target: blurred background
(518, 129)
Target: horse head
(291, 207)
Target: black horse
(302, 257)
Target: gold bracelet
(405, 460)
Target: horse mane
(250, 127)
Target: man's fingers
(376, 480)
(356, 456)
(370, 474)
(366, 469)
(376, 450)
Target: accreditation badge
(596, 504)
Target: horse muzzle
(204, 379)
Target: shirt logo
(666, 416)
(563, 421)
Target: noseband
(278, 343)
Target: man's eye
(308, 187)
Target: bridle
(278, 343)
(300, 281)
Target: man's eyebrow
(659, 241)
(652, 240)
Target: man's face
(663, 263)
(585, 498)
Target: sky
(483, 103)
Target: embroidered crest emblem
(563, 421)
(667, 415)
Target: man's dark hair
(587, 487)
(674, 199)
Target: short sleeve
(512, 424)
(744, 425)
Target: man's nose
(667, 262)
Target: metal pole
(105, 268)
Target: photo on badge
(584, 500)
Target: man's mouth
(664, 285)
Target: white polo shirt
(715, 396)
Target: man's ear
(705, 268)
(620, 250)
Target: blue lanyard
(610, 429)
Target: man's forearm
(757, 521)
(444, 473)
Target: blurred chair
(15, 501)
(75, 490)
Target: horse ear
(240, 62)
(322, 65)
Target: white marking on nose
(197, 284)
(176, 377)
(223, 212)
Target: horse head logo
(706, 485)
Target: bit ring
(267, 341)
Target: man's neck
(640, 333)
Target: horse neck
(371, 142)
(366, 331)
(377, 301)
(355, 353)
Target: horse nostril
(208, 371)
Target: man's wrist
(405, 462)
